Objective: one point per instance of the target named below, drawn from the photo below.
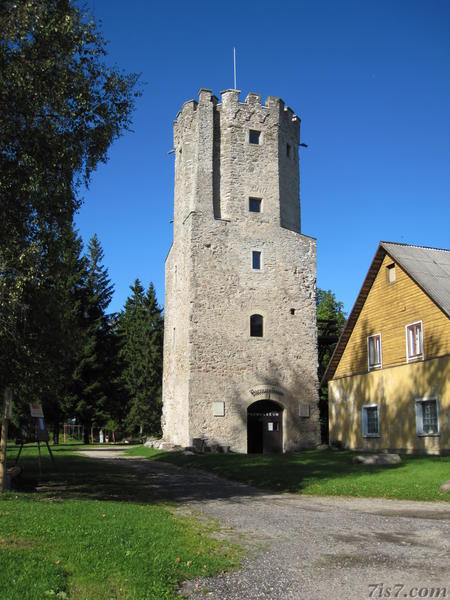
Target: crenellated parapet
(273, 111)
(218, 162)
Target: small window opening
(288, 150)
(256, 260)
(254, 204)
(254, 136)
(256, 326)
(292, 311)
(391, 277)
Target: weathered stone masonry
(212, 290)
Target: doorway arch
(264, 427)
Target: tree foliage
(141, 338)
(330, 323)
(61, 107)
(331, 320)
(91, 377)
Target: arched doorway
(264, 427)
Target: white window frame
(377, 365)
(365, 421)
(261, 260)
(415, 356)
(419, 416)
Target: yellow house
(389, 376)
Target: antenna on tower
(234, 61)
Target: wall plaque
(266, 392)
(218, 409)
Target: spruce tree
(90, 377)
(141, 336)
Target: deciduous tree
(61, 107)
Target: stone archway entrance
(264, 427)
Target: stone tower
(240, 342)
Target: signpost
(40, 433)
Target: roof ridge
(415, 246)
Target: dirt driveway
(303, 547)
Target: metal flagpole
(234, 61)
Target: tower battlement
(280, 113)
(222, 148)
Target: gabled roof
(428, 267)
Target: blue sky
(370, 81)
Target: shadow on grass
(327, 473)
(154, 480)
(116, 479)
(280, 472)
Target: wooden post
(7, 399)
(39, 458)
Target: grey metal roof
(429, 267)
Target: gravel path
(303, 547)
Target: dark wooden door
(255, 435)
(272, 434)
(264, 427)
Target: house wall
(395, 390)
(395, 386)
(387, 310)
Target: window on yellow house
(391, 275)
(371, 420)
(427, 416)
(374, 351)
(414, 341)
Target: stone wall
(211, 288)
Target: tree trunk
(7, 398)
(56, 432)
(86, 431)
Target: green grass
(91, 530)
(143, 451)
(322, 473)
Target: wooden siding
(388, 308)
(395, 391)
